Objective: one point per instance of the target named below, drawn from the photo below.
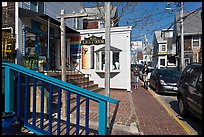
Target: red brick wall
(90, 25)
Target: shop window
(30, 44)
(114, 59)
(115, 63)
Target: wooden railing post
(9, 90)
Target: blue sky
(158, 17)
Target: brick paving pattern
(138, 113)
(153, 119)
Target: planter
(7, 120)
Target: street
(170, 102)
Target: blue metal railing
(34, 78)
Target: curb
(187, 130)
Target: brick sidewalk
(153, 119)
(122, 116)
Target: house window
(162, 62)
(195, 41)
(163, 48)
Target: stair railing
(26, 79)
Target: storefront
(92, 60)
(41, 48)
(38, 46)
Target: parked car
(164, 80)
(189, 93)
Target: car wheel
(182, 107)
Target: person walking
(136, 76)
(145, 72)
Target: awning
(29, 13)
(111, 49)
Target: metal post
(48, 44)
(63, 63)
(107, 56)
(182, 38)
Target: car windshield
(169, 72)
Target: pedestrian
(145, 72)
(136, 76)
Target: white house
(93, 56)
(163, 47)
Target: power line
(171, 24)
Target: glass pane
(30, 44)
(115, 63)
(103, 61)
(162, 62)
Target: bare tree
(125, 8)
(127, 13)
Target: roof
(29, 13)
(111, 49)
(192, 23)
(94, 13)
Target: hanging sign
(93, 40)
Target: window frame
(161, 49)
(100, 67)
(196, 40)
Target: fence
(22, 79)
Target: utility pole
(182, 37)
(107, 58)
(63, 56)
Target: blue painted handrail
(9, 99)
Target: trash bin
(7, 120)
